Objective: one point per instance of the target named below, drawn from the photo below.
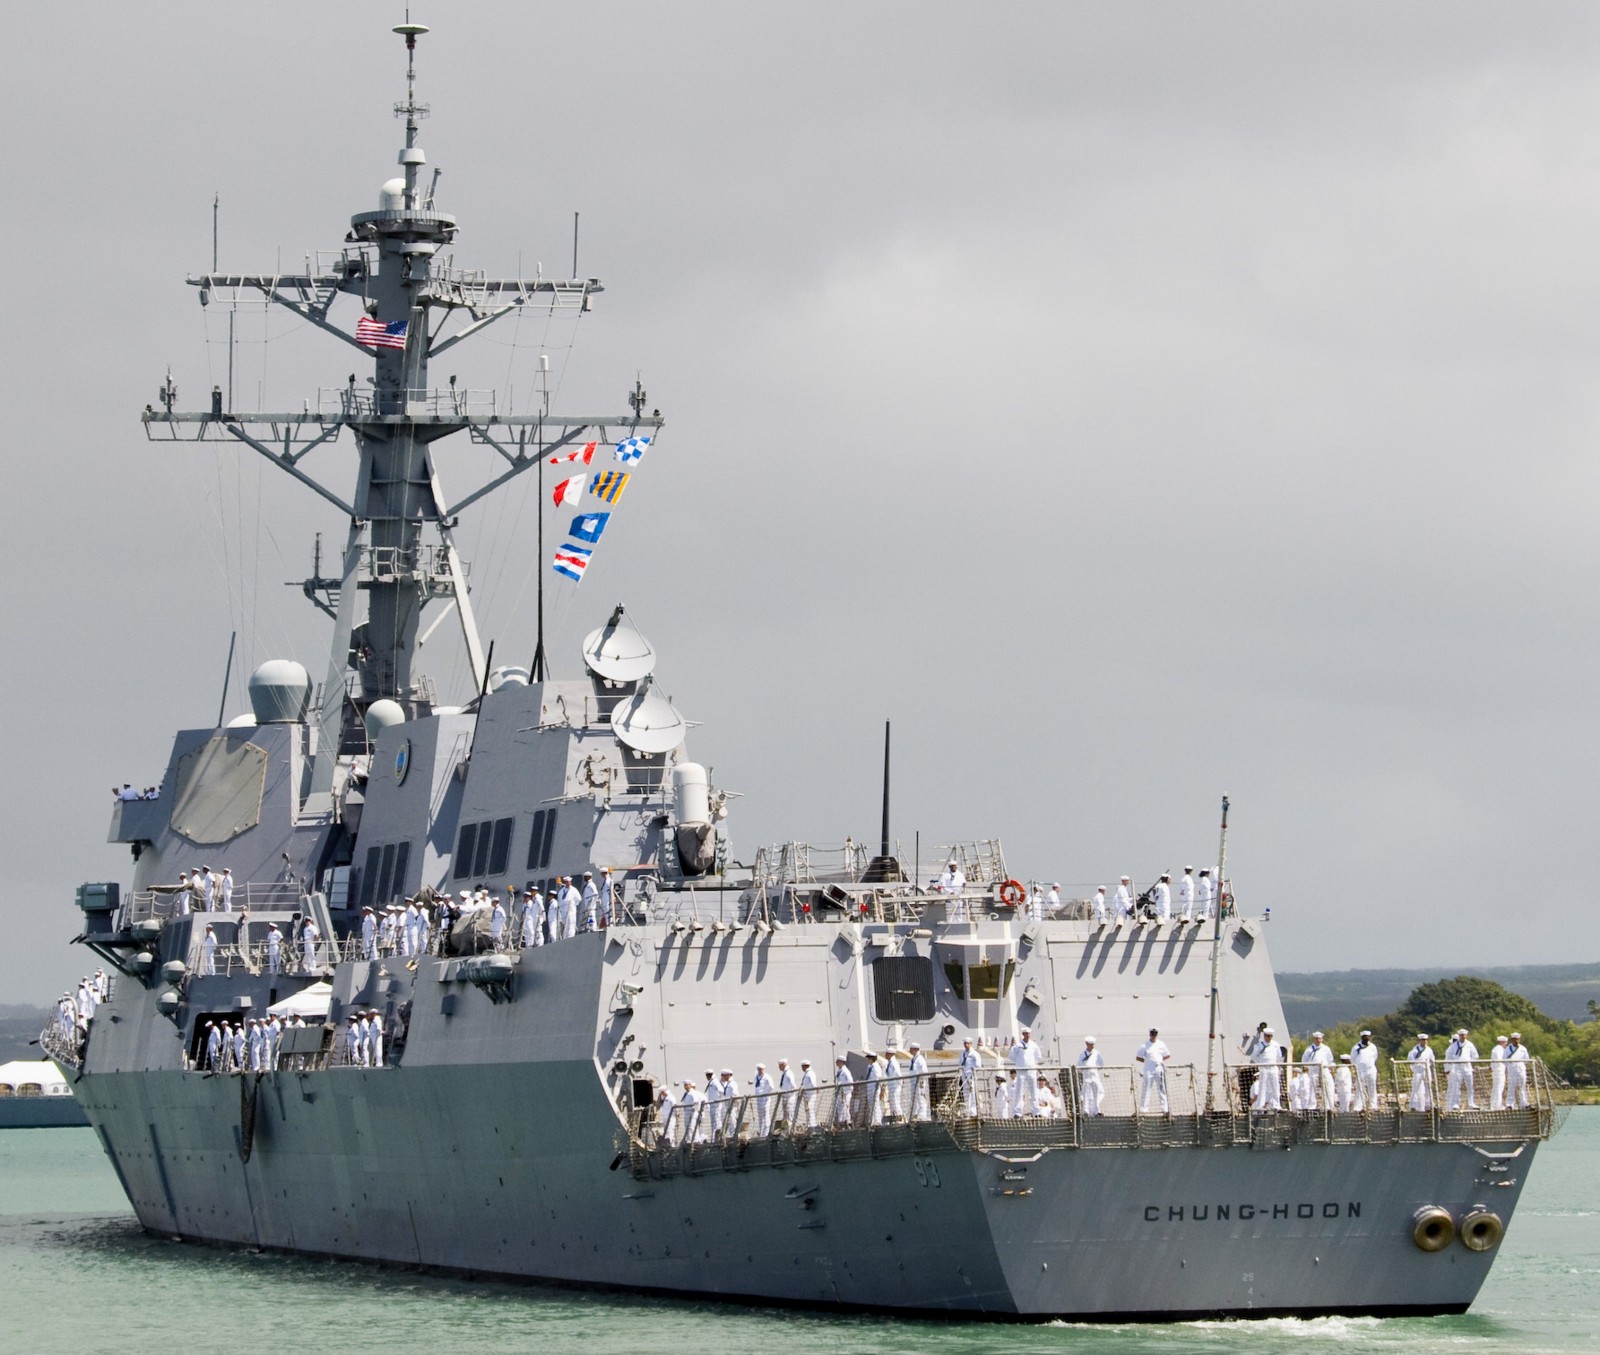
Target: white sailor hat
(968, 1040)
(727, 1072)
(1422, 1035)
(1316, 1035)
(1205, 870)
(838, 1058)
(688, 1082)
(709, 1073)
(1027, 1031)
(1126, 879)
(805, 1063)
(761, 1067)
(1154, 1031)
(588, 875)
(913, 1045)
(1268, 1030)
(1101, 889)
(1088, 1039)
(1187, 869)
(1462, 1031)
(1056, 885)
(1367, 1033)
(1516, 1035)
(1166, 875)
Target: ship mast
(400, 551)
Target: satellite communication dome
(381, 714)
(280, 691)
(617, 652)
(648, 723)
(392, 196)
(509, 676)
(242, 722)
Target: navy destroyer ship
(475, 983)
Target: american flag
(375, 334)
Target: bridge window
(500, 852)
(464, 845)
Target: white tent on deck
(32, 1077)
(308, 1002)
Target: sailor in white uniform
(1161, 896)
(691, 1115)
(591, 902)
(1497, 1073)
(533, 920)
(1208, 894)
(570, 899)
(918, 1073)
(1516, 1073)
(208, 959)
(1364, 1055)
(968, 1069)
(1267, 1094)
(786, 1094)
(1122, 905)
(1005, 1106)
(1026, 1058)
(183, 896)
(497, 924)
(894, 1084)
(369, 934)
(552, 912)
(213, 1047)
(274, 948)
(1186, 895)
(1052, 900)
(761, 1088)
(1421, 1060)
(375, 1039)
(226, 885)
(808, 1097)
(664, 1109)
(1343, 1086)
(1091, 1085)
(1459, 1056)
(713, 1107)
(1153, 1055)
(951, 884)
(875, 1091)
(1318, 1061)
(843, 1092)
(207, 885)
(1098, 906)
(728, 1091)
(308, 943)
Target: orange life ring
(1012, 893)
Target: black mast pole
(538, 653)
(883, 848)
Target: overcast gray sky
(1135, 403)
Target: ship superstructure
(537, 1102)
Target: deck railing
(1073, 1108)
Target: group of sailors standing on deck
(244, 1046)
(206, 891)
(74, 1008)
(1196, 899)
(893, 1088)
(1349, 1082)
(423, 925)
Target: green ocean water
(76, 1273)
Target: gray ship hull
(508, 1171)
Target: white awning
(40, 1073)
(308, 1002)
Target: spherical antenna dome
(617, 652)
(280, 691)
(381, 714)
(647, 722)
(392, 196)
